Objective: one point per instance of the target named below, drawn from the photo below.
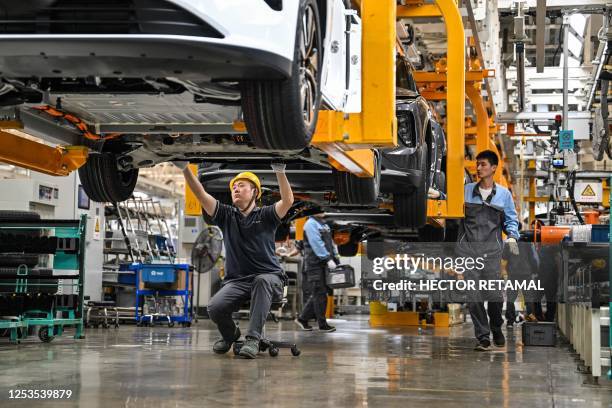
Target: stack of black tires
(23, 286)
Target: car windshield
(404, 78)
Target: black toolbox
(539, 334)
(342, 276)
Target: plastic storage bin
(600, 233)
(539, 334)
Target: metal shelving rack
(65, 239)
(137, 234)
(137, 231)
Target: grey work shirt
(248, 240)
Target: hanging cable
(76, 122)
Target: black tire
(43, 335)
(102, 180)
(273, 110)
(348, 249)
(273, 352)
(354, 190)
(13, 260)
(410, 209)
(12, 215)
(295, 351)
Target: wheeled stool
(269, 345)
(265, 344)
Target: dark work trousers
(261, 290)
(483, 325)
(316, 304)
(306, 292)
(511, 295)
(549, 276)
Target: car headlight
(406, 129)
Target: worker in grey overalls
(489, 210)
(319, 255)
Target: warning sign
(96, 232)
(588, 192)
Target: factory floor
(355, 366)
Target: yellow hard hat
(247, 175)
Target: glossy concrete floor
(356, 366)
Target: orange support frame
(29, 154)
(453, 79)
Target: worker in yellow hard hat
(245, 188)
(252, 270)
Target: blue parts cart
(164, 292)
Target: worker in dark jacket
(489, 210)
(319, 256)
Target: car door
(341, 76)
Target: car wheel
(104, 182)
(282, 115)
(410, 209)
(351, 189)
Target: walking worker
(489, 210)
(252, 270)
(319, 255)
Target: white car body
(248, 23)
(249, 27)
(257, 42)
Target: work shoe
(483, 345)
(221, 346)
(498, 338)
(250, 348)
(327, 328)
(510, 324)
(303, 324)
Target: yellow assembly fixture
(32, 155)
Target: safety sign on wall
(97, 227)
(566, 140)
(588, 192)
